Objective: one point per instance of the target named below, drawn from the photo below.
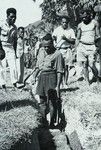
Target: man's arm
(54, 38)
(78, 37)
(15, 41)
(54, 35)
(59, 80)
(97, 30)
(0, 39)
(71, 40)
(59, 69)
(97, 34)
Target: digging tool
(27, 77)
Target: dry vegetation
(19, 119)
(17, 124)
(82, 108)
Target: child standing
(20, 55)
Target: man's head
(11, 16)
(47, 43)
(21, 32)
(64, 22)
(86, 16)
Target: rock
(74, 141)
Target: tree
(50, 9)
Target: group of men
(54, 58)
(12, 42)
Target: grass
(19, 118)
(15, 124)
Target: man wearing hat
(8, 34)
(50, 68)
(64, 37)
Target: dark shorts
(46, 81)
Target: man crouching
(49, 67)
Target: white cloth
(87, 32)
(20, 60)
(20, 68)
(37, 46)
(20, 47)
(8, 33)
(2, 80)
(59, 32)
(9, 39)
(11, 60)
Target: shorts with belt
(86, 51)
(47, 80)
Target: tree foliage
(50, 8)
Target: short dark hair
(20, 28)
(10, 10)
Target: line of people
(54, 58)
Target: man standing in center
(8, 34)
(64, 36)
(50, 68)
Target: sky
(27, 11)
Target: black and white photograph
(50, 74)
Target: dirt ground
(82, 108)
(81, 105)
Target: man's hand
(64, 37)
(58, 91)
(55, 38)
(16, 56)
(98, 42)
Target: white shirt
(87, 32)
(59, 32)
(20, 47)
(8, 33)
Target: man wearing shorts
(50, 74)
(64, 36)
(88, 33)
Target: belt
(86, 43)
(63, 47)
(48, 72)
